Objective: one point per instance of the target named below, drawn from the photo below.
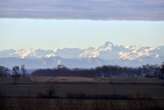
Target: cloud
(84, 9)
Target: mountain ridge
(106, 54)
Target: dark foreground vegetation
(74, 104)
(138, 89)
(82, 96)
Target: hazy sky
(52, 24)
(50, 34)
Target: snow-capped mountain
(106, 54)
(27, 53)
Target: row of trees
(162, 71)
(4, 71)
(105, 71)
(15, 73)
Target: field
(79, 93)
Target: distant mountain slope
(107, 54)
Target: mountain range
(106, 54)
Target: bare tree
(4, 71)
(162, 71)
(16, 73)
(23, 70)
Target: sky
(54, 33)
(51, 24)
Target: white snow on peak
(90, 53)
(37, 53)
(135, 53)
(23, 53)
(107, 51)
(107, 46)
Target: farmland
(78, 93)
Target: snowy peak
(106, 51)
(24, 53)
(27, 53)
(108, 46)
(134, 53)
(40, 53)
(96, 52)
(90, 53)
(105, 54)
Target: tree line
(15, 73)
(151, 71)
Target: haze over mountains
(106, 54)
